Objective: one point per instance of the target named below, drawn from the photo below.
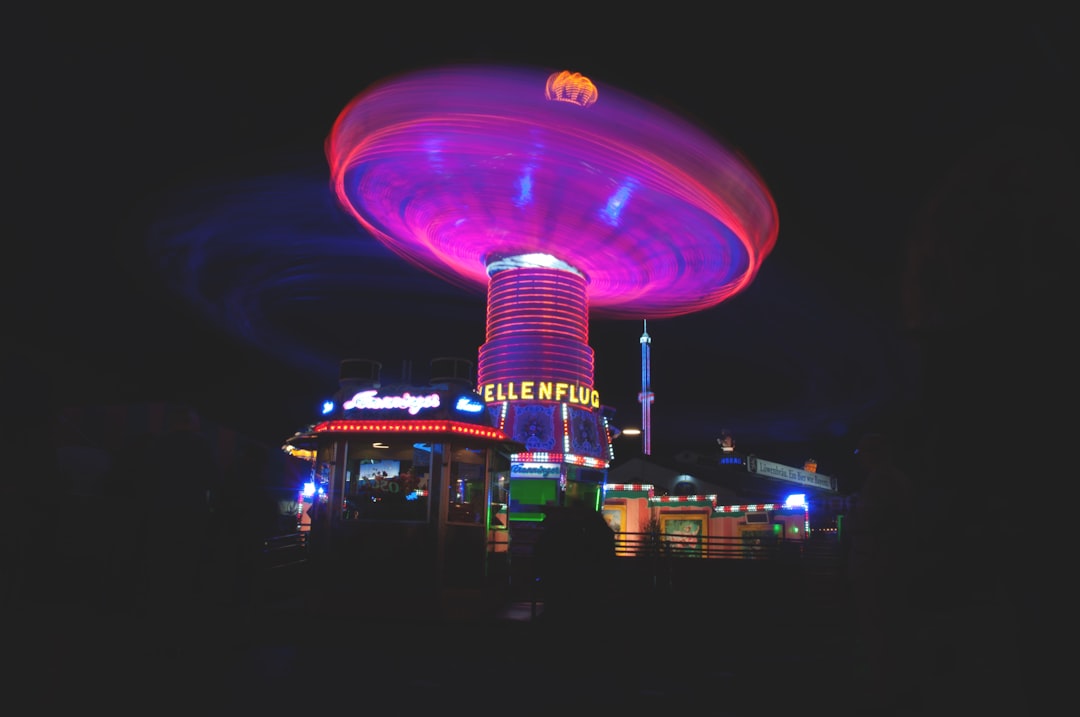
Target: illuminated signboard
(787, 473)
(468, 405)
(540, 391)
(371, 401)
(535, 470)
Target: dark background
(174, 237)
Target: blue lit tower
(646, 396)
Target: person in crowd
(178, 505)
(317, 514)
(574, 557)
(878, 567)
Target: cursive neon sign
(468, 405)
(371, 401)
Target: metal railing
(284, 550)
(293, 547)
(637, 545)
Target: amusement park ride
(560, 197)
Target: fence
(292, 547)
(284, 550)
(636, 545)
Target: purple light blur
(450, 167)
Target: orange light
(573, 87)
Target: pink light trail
(450, 167)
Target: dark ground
(771, 649)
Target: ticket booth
(413, 483)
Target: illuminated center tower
(535, 371)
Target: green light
(527, 517)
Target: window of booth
(584, 488)
(529, 497)
(583, 495)
(500, 492)
(324, 469)
(386, 480)
(468, 487)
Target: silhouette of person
(878, 569)
(317, 515)
(574, 556)
(987, 301)
(178, 521)
(244, 517)
(318, 568)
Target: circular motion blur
(463, 170)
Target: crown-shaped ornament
(573, 87)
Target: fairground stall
(408, 496)
(697, 526)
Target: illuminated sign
(787, 473)
(371, 401)
(535, 470)
(540, 391)
(468, 405)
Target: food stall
(698, 526)
(409, 490)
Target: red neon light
(453, 427)
(537, 327)
(550, 457)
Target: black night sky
(871, 132)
